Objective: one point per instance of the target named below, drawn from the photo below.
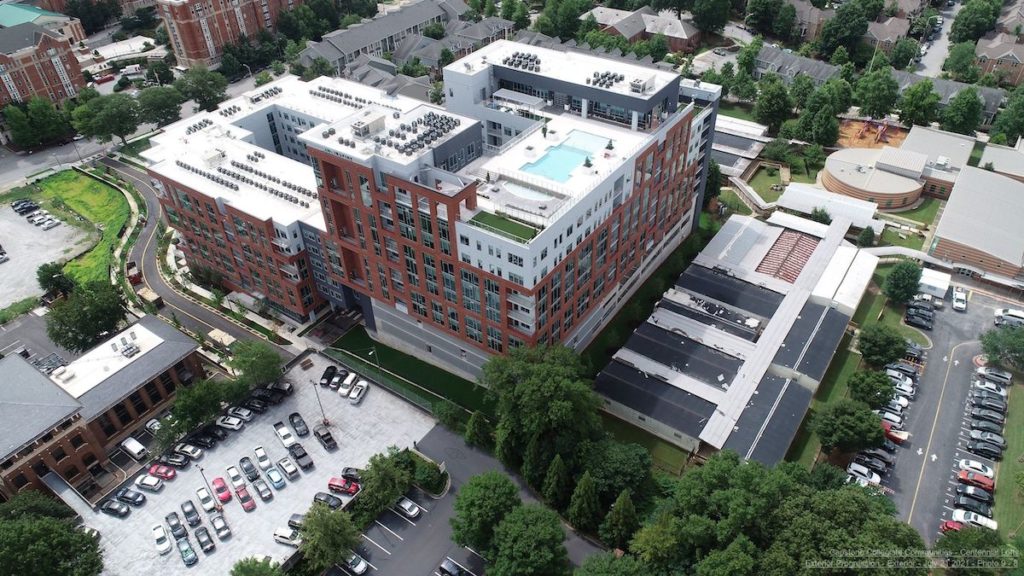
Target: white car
(287, 467)
(206, 499)
(356, 564)
(861, 471)
(51, 224)
(153, 425)
(235, 477)
(359, 392)
(851, 479)
(894, 407)
(959, 299)
(240, 413)
(163, 543)
(904, 390)
(965, 517)
(975, 466)
(901, 400)
(408, 507)
(230, 423)
(989, 387)
(262, 460)
(284, 434)
(994, 374)
(193, 452)
(895, 419)
(149, 483)
(288, 536)
(898, 377)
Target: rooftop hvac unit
(638, 86)
(360, 129)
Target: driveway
(931, 64)
(923, 476)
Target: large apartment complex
(35, 61)
(199, 29)
(525, 212)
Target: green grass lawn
(741, 111)
(505, 226)
(467, 394)
(891, 237)
(1009, 506)
(17, 309)
(729, 198)
(979, 149)
(798, 171)
(925, 213)
(668, 457)
(762, 182)
(98, 203)
(136, 147)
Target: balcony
(524, 301)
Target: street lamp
(248, 69)
(208, 488)
(323, 414)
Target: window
(122, 414)
(106, 425)
(59, 454)
(77, 441)
(138, 403)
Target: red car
(343, 485)
(975, 479)
(162, 472)
(950, 526)
(220, 488)
(245, 499)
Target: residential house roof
(907, 7)
(480, 31)
(947, 89)
(1012, 17)
(890, 30)
(21, 36)
(807, 12)
(789, 65)
(629, 24)
(30, 404)
(1000, 46)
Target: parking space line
(460, 565)
(370, 540)
(368, 563)
(475, 553)
(396, 513)
(390, 530)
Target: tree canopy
(256, 567)
(963, 113)
(256, 362)
(975, 19)
(51, 277)
(529, 540)
(39, 537)
(847, 426)
(160, 105)
(919, 104)
(480, 505)
(844, 29)
(621, 522)
(881, 344)
(584, 507)
(773, 104)
(328, 536)
(108, 116)
(960, 63)
(981, 542)
(92, 311)
(607, 564)
(1004, 345)
(385, 480)
(1009, 125)
(877, 93)
(870, 387)
(710, 15)
(904, 52)
(205, 87)
(903, 282)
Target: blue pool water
(559, 162)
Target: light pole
(323, 414)
(249, 70)
(376, 360)
(208, 488)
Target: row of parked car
(348, 384)
(35, 215)
(987, 405)
(920, 312)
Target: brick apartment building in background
(199, 29)
(526, 212)
(35, 61)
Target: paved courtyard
(29, 247)
(361, 431)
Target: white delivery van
(134, 448)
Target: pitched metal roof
(30, 404)
(14, 14)
(983, 212)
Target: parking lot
(381, 420)
(922, 481)
(28, 247)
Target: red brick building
(199, 29)
(35, 61)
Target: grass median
(1009, 506)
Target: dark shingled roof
(22, 36)
(30, 404)
(654, 398)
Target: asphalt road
(931, 64)
(923, 475)
(191, 315)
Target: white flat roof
(568, 66)
(105, 360)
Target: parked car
(275, 478)
(206, 500)
(351, 474)
(986, 426)
(52, 224)
(904, 390)
(449, 568)
(162, 472)
(987, 386)
(906, 368)
(329, 500)
(988, 415)
(257, 406)
(972, 505)
(918, 322)
(985, 450)
(959, 299)
(988, 402)
(995, 375)
(356, 564)
(243, 414)
(281, 386)
(872, 464)
(975, 466)
(202, 440)
(284, 434)
(160, 539)
(204, 540)
(115, 508)
(979, 494)
(879, 454)
(288, 537)
(149, 483)
(295, 419)
(302, 458)
(324, 436)
(245, 499)
(129, 496)
(235, 477)
(982, 395)
(342, 485)
(325, 378)
(990, 437)
(220, 488)
(177, 528)
(965, 517)
(289, 469)
(862, 472)
(895, 419)
(220, 526)
(262, 490)
(913, 351)
(188, 450)
(230, 423)
(174, 459)
(950, 526)
(359, 392)
(338, 378)
(975, 479)
(188, 555)
(190, 512)
(248, 468)
(297, 521)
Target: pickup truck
(300, 455)
(284, 434)
(132, 271)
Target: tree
(1004, 345)
(814, 156)
(877, 92)
(384, 482)
(744, 87)
(35, 505)
(847, 426)
(93, 310)
(657, 543)
(206, 87)
(919, 104)
(824, 128)
(607, 564)
(529, 541)
(903, 282)
(840, 56)
(490, 9)
(328, 536)
(844, 29)
(108, 116)
(904, 52)
(615, 466)
(960, 63)
(195, 404)
(777, 149)
(785, 23)
(160, 73)
(522, 16)
(585, 508)
(557, 484)
(480, 505)
(46, 120)
(256, 567)
(981, 542)
(963, 113)
(713, 185)
(621, 522)
(263, 77)
(22, 132)
(881, 344)
(870, 387)
(42, 545)
(94, 14)
(445, 58)
(160, 105)
(710, 15)
(773, 104)
(801, 89)
(747, 55)
(508, 9)
(434, 30)
(736, 559)
(1009, 125)
(479, 431)
(256, 362)
(544, 407)
(975, 19)
(821, 215)
(761, 14)
(866, 238)
(51, 278)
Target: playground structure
(870, 134)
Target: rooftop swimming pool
(559, 161)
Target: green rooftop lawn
(762, 182)
(741, 111)
(506, 226)
(925, 213)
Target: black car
(450, 568)
(204, 539)
(338, 378)
(985, 449)
(115, 508)
(879, 454)
(26, 208)
(351, 474)
(871, 463)
(329, 500)
(913, 350)
(973, 505)
(274, 397)
(248, 468)
(256, 405)
(325, 438)
(202, 440)
(988, 415)
(988, 403)
(905, 368)
(925, 306)
(300, 456)
(190, 512)
(298, 424)
(918, 322)
(297, 521)
(175, 460)
(979, 494)
(129, 496)
(986, 426)
(177, 529)
(926, 314)
(215, 431)
(980, 395)
(325, 378)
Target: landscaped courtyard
(505, 226)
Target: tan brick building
(35, 61)
(199, 29)
(1001, 54)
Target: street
(931, 64)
